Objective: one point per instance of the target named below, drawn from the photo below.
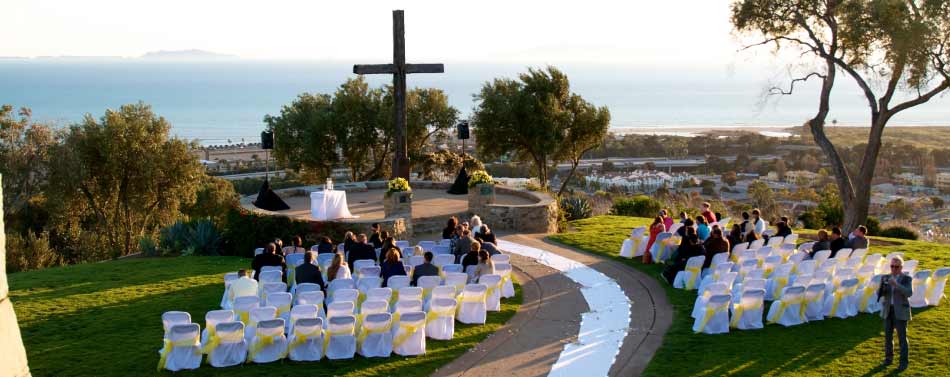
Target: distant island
(187, 55)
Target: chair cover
(361, 264)
(257, 315)
(775, 241)
(340, 284)
(443, 259)
(427, 283)
(402, 244)
(366, 271)
(493, 294)
(442, 250)
(770, 263)
(756, 244)
(375, 337)
(396, 282)
(712, 289)
(269, 343)
(282, 301)
(821, 256)
(745, 266)
(405, 306)
(842, 303)
(456, 280)
(843, 254)
(736, 249)
(227, 347)
(628, 246)
(258, 251)
(243, 307)
(867, 295)
(920, 283)
(865, 273)
(814, 302)
(410, 334)
(427, 245)
(756, 273)
(381, 294)
(717, 260)
(689, 278)
(472, 307)
(226, 297)
(444, 291)
(791, 239)
(936, 286)
(269, 288)
(796, 258)
(440, 319)
(342, 308)
(409, 294)
(874, 260)
(213, 318)
(313, 298)
(748, 284)
(762, 253)
(507, 286)
(306, 340)
(790, 310)
(181, 350)
(910, 266)
(452, 267)
(715, 316)
(367, 283)
(345, 295)
(747, 314)
(663, 247)
(270, 274)
(173, 318)
(306, 287)
(501, 258)
(416, 260)
(778, 280)
(301, 312)
(859, 254)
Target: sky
(678, 32)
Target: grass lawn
(832, 347)
(104, 319)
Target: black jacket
(360, 251)
(376, 240)
(425, 269)
(309, 273)
(266, 259)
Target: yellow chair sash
(215, 340)
(426, 292)
(931, 285)
(365, 332)
(329, 334)
(737, 311)
(691, 283)
(839, 296)
(244, 315)
(301, 338)
(163, 359)
(283, 309)
(360, 298)
(784, 304)
(707, 315)
(866, 297)
(409, 331)
(780, 283)
(264, 341)
(433, 314)
(768, 272)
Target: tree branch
(791, 88)
(921, 98)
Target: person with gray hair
(893, 295)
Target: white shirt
(244, 286)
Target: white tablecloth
(329, 205)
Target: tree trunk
(567, 179)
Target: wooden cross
(399, 69)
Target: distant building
(943, 181)
(910, 179)
(772, 176)
(796, 176)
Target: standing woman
(655, 229)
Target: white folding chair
(363, 263)
(867, 299)
(427, 283)
(821, 256)
(814, 302)
(367, 272)
(472, 307)
(713, 275)
(507, 286)
(405, 306)
(791, 239)
(493, 294)
(256, 316)
(398, 281)
(747, 284)
(409, 294)
(340, 284)
(416, 260)
(226, 297)
(501, 258)
(181, 350)
(301, 312)
(456, 280)
(213, 318)
(380, 294)
(715, 316)
(340, 337)
(717, 259)
(313, 298)
(365, 284)
(409, 338)
(778, 280)
(841, 303)
(756, 244)
(920, 283)
(788, 311)
(376, 338)
(440, 319)
(173, 318)
(272, 287)
(715, 288)
(341, 309)
(229, 347)
(306, 340)
(747, 313)
(770, 263)
(736, 249)
(936, 286)
(688, 278)
(269, 343)
(283, 302)
(243, 306)
(444, 291)
(662, 248)
(443, 259)
(345, 295)
(258, 251)
(452, 267)
(796, 258)
(775, 241)
(910, 266)
(427, 245)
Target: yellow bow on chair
(409, 331)
(866, 294)
(364, 333)
(707, 316)
(163, 359)
(782, 305)
(329, 334)
(780, 283)
(301, 338)
(433, 314)
(265, 341)
(691, 283)
(737, 311)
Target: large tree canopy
(354, 127)
(24, 158)
(896, 51)
(537, 118)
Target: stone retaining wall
(540, 217)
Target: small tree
(936, 202)
(24, 159)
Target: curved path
(550, 318)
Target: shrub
(873, 225)
(640, 205)
(576, 208)
(204, 237)
(246, 230)
(148, 246)
(479, 177)
(174, 239)
(900, 229)
(32, 252)
(197, 237)
(532, 187)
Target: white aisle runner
(603, 328)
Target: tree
(899, 208)
(213, 197)
(780, 169)
(304, 136)
(124, 175)
(428, 114)
(904, 45)
(762, 197)
(360, 119)
(24, 160)
(936, 202)
(535, 118)
(729, 178)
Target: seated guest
(463, 245)
(667, 220)
(490, 247)
(268, 258)
(684, 218)
(471, 258)
(485, 234)
(424, 269)
(449, 229)
(376, 238)
(691, 248)
(735, 236)
(744, 225)
(243, 285)
(687, 231)
(708, 213)
(702, 228)
(279, 244)
(687, 224)
(757, 223)
(782, 229)
(751, 236)
(837, 241)
(338, 268)
(715, 244)
(296, 246)
(476, 223)
(308, 272)
(325, 246)
(361, 250)
(485, 265)
(389, 243)
(859, 239)
(418, 251)
(348, 240)
(391, 266)
(822, 244)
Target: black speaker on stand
(460, 187)
(267, 198)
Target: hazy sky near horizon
(679, 32)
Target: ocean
(221, 101)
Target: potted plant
(481, 190)
(398, 198)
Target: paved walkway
(531, 342)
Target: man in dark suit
(361, 250)
(268, 258)
(893, 293)
(463, 245)
(425, 269)
(308, 272)
(376, 238)
(837, 241)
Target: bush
(905, 232)
(576, 208)
(32, 252)
(204, 237)
(640, 205)
(246, 230)
(873, 225)
(148, 246)
(197, 237)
